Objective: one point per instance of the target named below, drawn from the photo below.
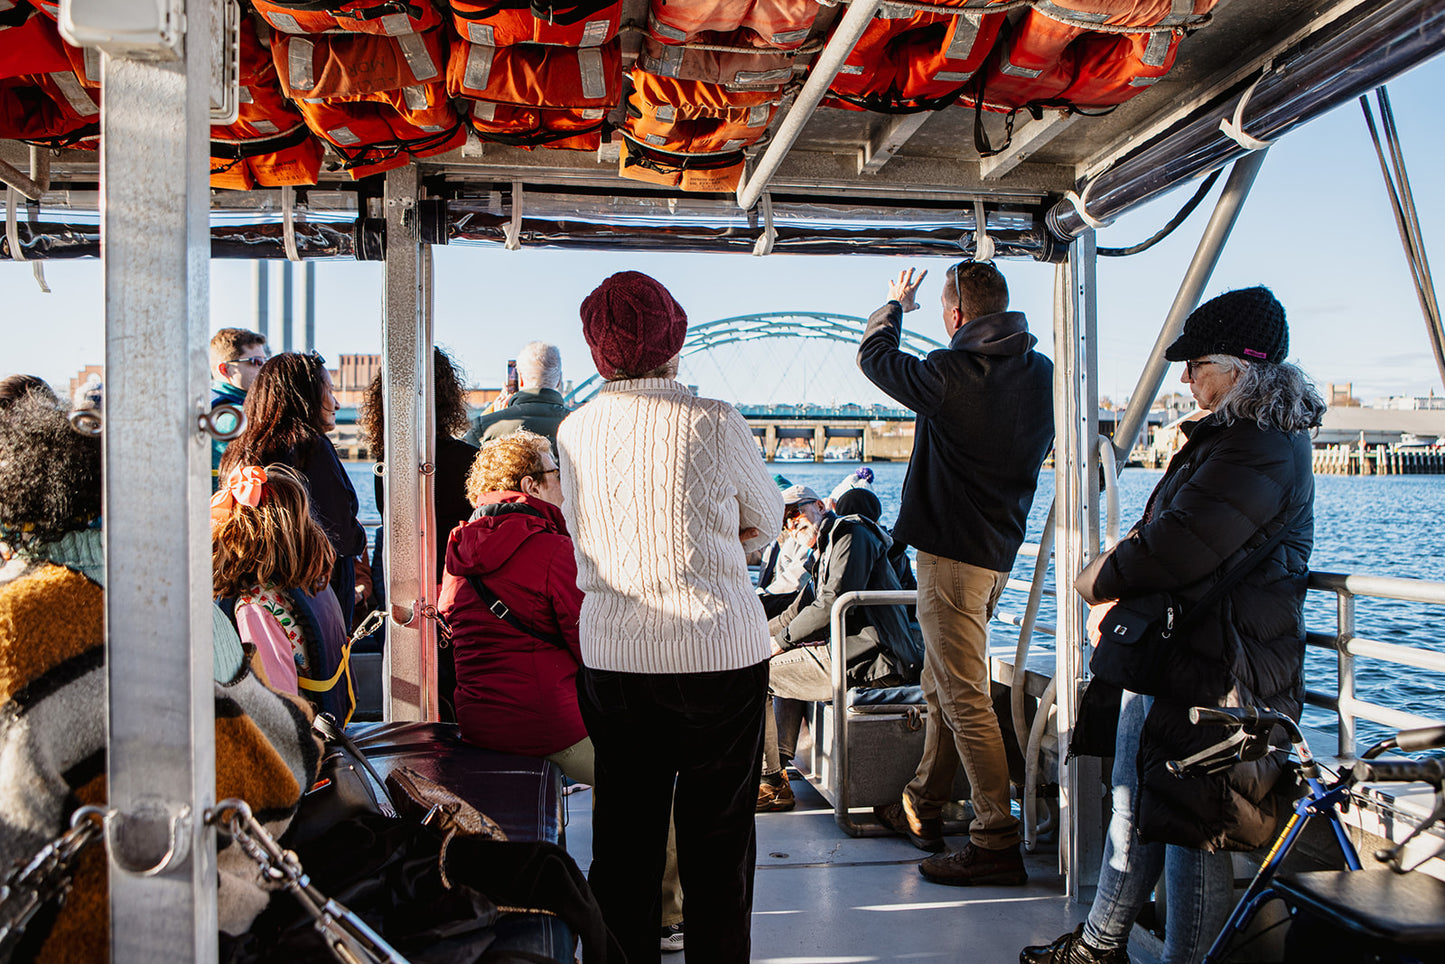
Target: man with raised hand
(537, 405)
(984, 423)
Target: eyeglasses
(253, 362)
(545, 472)
(1192, 365)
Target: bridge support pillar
(770, 444)
(820, 442)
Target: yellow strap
(324, 686)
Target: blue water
(1371, 525)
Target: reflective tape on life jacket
(355, 64)
(1050, 63)
(690, 117)
(49, 110)
(507, 22)
(533, 75)
(29, 43)
(288, 157)
(388, 18)
(762, 69)
(709, 173)
(908, 61)
(573, 129)
(784, 24)
(383, 130)
(1095, 14)
(51, 8)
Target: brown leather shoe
(975, 865)
(774, 798)
(923, 833)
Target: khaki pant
(955, 602)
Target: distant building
(1341, 396)
(1411, 403)
(80, 378)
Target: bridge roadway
(878, 433)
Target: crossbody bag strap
(500, 609)
(1245, 567)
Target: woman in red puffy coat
(515, 675)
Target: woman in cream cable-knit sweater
(664, 495)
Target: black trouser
(705, 731)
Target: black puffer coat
(1225, 492)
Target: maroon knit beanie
(632, 324)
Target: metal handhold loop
(428, 468)
(177, 851)
(209, 422)
(379, 469)
(87, 422)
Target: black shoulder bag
(1136, 649)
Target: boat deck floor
(823, 897)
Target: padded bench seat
(520, 793)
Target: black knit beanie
(1247, 323)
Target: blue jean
(1200, 884)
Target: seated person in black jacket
(852, 552)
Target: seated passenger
(783, 568)
(270, 565)
(53, 691)
(860, 478)
(516, 674)
(852, 552)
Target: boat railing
(1349, 708)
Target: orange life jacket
(917, 61)
(566, 128)
(49, 110)
(784, 24)
(389, 18)
(379, 131)
(269, 144)
(1053, 58)
(765, 68)
(536, 75)
(29, 43)
(501, 23)
(690, 117)
(708, 173)
(287, 157)
(355, 64)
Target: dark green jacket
(540, 411)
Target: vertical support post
(1345, 615)
(1201, 268)
(1076, 540)
(770, 443)
(409, 677)
(155, 205)
(288, 307)
(308, 285)
(261, 285)
(820, 442)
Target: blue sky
(1317, 229)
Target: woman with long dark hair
(289, 409)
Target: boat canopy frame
(149, 185)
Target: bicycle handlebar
(1251, 718)
(1421, 738)
(1401, 771)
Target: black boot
(1072, 949)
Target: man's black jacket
(985, 423)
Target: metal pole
(1076, 539)
(288, 300)
(261, 286)
(410, 663)
(155, 202)
(308, 285)
(1201, 268)
(825, 68)
(1345, 666)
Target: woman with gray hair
(1242, 479)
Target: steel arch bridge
(769, 324)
